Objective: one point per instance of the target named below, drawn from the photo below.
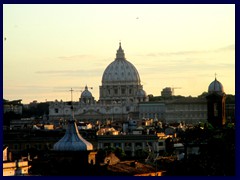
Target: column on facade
(143, 145)
(155, 147)
(100, 145)
(119, 91)
(122, 146)
(133, 148)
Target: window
(27, 146)
(130, 91)
(39, 146)
(149, 143)
(15, 146)
(160, 143)
(138, 144)
(117, 144)
(115, 91)
(56, 110)
(215, 110)
(106, 145)
(127, 144)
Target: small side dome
(215, 87)
(141, 93)
(86, 93)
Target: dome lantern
(120, 53)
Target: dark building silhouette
(71, 152)
(216, 104)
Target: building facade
(120, 93)
(189, 110)
(216, 102)
(131, 143)
(13, 106)
(152, 110)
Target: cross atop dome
(120, 47)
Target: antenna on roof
(71, 94)
(72, 102)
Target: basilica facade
(120, 93)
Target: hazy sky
(50, 48)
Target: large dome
(120, 71)
(216, 87)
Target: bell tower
(216, 99)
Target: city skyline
(49, 49)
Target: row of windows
(152, 115)
(152, 109)
(28, 146)
(187, 107)
(56, 110)
(187, 115)
(123, 91)
(127, 144)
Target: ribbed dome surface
(120, 71)
(141, 93)
(86, 93)
(72, 140)
(216, 87)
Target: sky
(49, 49)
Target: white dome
(120, 71)
(215, 86)
(86, 93)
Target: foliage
(216, 154)
(230, 99)
(203, 95)
(36, 111)
(8, 116)
(141, 154)
(102, 153)
(119, 153)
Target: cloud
(88, 59)
(185, 68)
(226, 48)
(184, 53)
(79, 72)
(75, 57)
(32, 87)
